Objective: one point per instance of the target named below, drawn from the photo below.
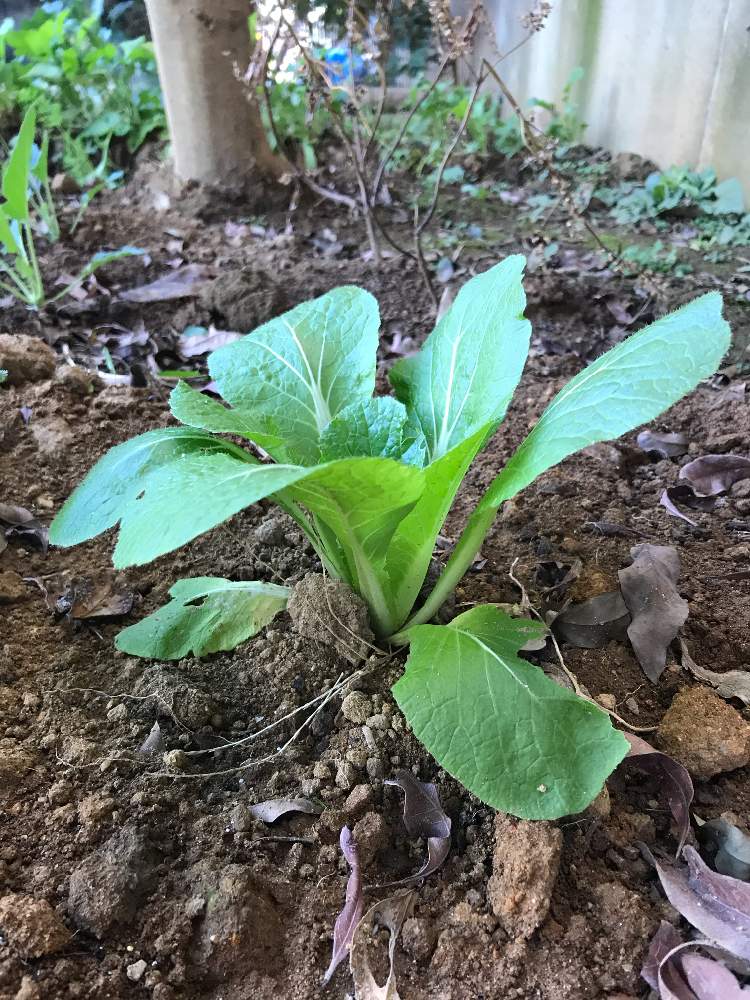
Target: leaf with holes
(206, 614)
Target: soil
(132, 874)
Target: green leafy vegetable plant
(370, 480)
(27, 206)
(669, 190)
(84, 82)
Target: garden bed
(167, 883)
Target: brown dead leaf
(85, 599)
(649, 588)
(17, 523)
(713, 474)
(390, 913)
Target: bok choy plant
(370, 480)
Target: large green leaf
(294, 374)
(410, 551)
(207, 614)
(628, 386)
(183, 499)
(117, 478)
(378, 427)
(196, 409)
(514, 738)
(465, 374)
(361, 502)
(16, 172)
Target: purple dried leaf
(717, 905)
(273, 809)
(438, 849)
(675, 782)
(666, 939)
(423, 814)
(650, 593)
(593, 623)
(350, 916)
(709, 979)
(712, 474)
(663, 445)
(181, 283)
(666, 501)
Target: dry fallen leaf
(717, 905)
(86, 599)
(182, 283)
(727, 847)
(712, 474)
(273, 809)
(730, 684)
(423, 817)
(19, 523)
(389, 913)
(194, 341)
(593, 623)
(649, 588)
(349, 918)
(674, 781)
(663, 445)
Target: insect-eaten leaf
(713, 474)
(183, 283)
(19, 524)
(649, 588)
(673, 779)
(513, 737)
(729, 684)
(349, 918)
(273, 809)
(423, 817)
(717, 905)
(207, 614)
(726, 846)
(390, 913)
(595, 622)
(663, 445)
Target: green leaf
(9, 236)
(628, 386)
(117, 478)
(40, 170)
(465, 374)
(183, 499)
(294, 374)
(196, 409)
(514, 738)
(361, 502)
(207, 614)
(379, 427)
(410, 550)
(16, 173)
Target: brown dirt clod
(704, 733)
(525, 867)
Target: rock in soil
(242, 927)
(371, 834)
(31, 926)
(12, 588)
(705, 734)
(328, 611)
(244, 299)
(110, 885)
(524, 871)
(26, 359)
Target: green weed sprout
(27, 202)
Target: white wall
(668, 79)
